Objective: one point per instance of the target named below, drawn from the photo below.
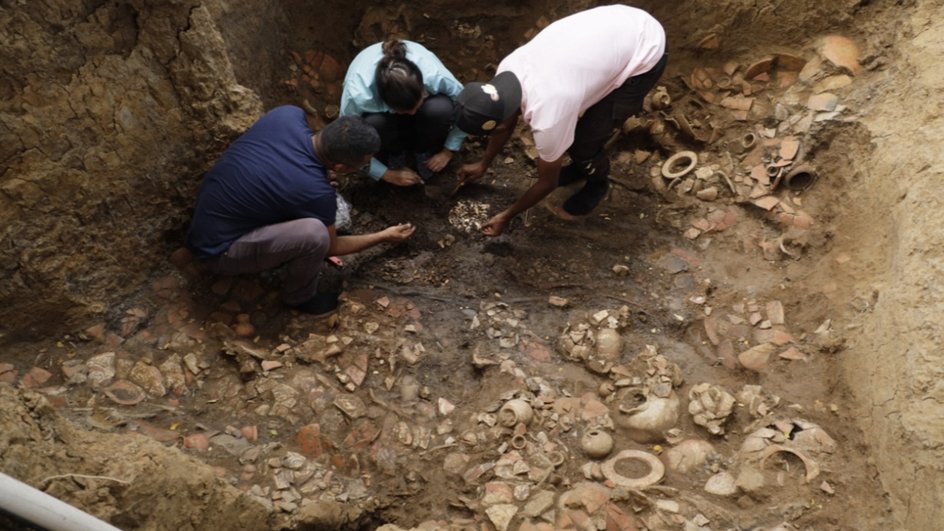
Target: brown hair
(399, 80)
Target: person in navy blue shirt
(269, 202)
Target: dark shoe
(320, 304)
(425, 173)
(584, 201)
(570, 174)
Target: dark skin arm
(342, 245)
(496, 141)
(548, 175)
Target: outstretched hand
(399, 232)
(437, 162)
(402, 177)
(471, 172)
(496, 226)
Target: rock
(149, 378)
(721, 484)
(558, 302)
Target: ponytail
(399, 80)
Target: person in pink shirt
(573, 83)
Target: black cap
(482, 106)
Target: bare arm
(496, 141)
(548, 175)
(342, 245)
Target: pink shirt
(574, 63)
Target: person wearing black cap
(573, 83)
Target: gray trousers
(301, 245)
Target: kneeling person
(268, 202)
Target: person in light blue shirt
(405, 92)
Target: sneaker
(320, 304)
(570, 174)
(584, 201)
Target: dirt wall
(895, 361)
(107, 111)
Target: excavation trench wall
(110, 113)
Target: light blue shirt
(360, 90)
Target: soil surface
(761, 327)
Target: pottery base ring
(667, 166)
(656, 469)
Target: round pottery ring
(656, 469)
(667, 166)
(518, 442)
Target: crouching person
(268, 202)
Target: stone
(149, 378)
(721, 484)
(558, 302)
(823, 102)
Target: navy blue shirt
(269, 175)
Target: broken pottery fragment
(688, 455)
(710, 406)
(756, 358)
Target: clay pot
(609, 344)
(596, 443)
(514, 412)
(800, 178)
(648, 422)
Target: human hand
(496, 225)
(333, 178)
(437, 162)
(398, 232)
(471, 172)
(402, 177)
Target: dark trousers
(423, 132)
(597, 123)
(300, 244)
